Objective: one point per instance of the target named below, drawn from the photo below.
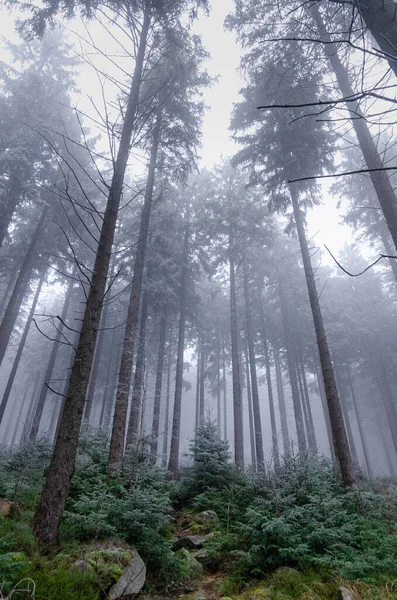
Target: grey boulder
(131, 581)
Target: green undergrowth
(297, 532)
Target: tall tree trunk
(158, 386)
(345, 411)
(308, 404)
(254, 379)
(363, 438)
(49, 511)
(320, 383)
(202, 384)
(387, 397)
(237, 399)
(121, 408)
(250, 412)
(20, 286)
(380, 180)
(29, 415)
(9, 206)
(96, 363)
(380, 18)
(167, 408)
(21, 347)
(218, 381)
(50, 366)
(111, 374)
(300, 430)
(276, 455)
(224, 391)
(136, 397)
(197, 420)
(281, 402)
(8, 291)
(173, 464)
(341, 444)
(384, 234)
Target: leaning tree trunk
(380, 18)
(49, 511)
(300, 430)
(254, 379)
(276, 455)
(173, 464)
(123, 389)
(50, 366)
(139, 375)
(9, 205)
(21, 347)
(20, 286)
(380, 180)
(158, 385)
(339, 436)
(250, 412)
(237, 400)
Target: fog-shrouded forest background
(147, 295)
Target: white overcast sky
(324, 221)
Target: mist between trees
(143, 296)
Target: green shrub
(304, 518)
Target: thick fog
(173, 254)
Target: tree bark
(254, 379)
(380, 180)
(123, 389)
(21, 347)
(380, 18)
(50, 366)
(158, 386)
(49, 511)
(281, 403)
(20, 286)
(250, 412)
(339, 436)
(237, 400)
(173, 464)
(136, 397)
